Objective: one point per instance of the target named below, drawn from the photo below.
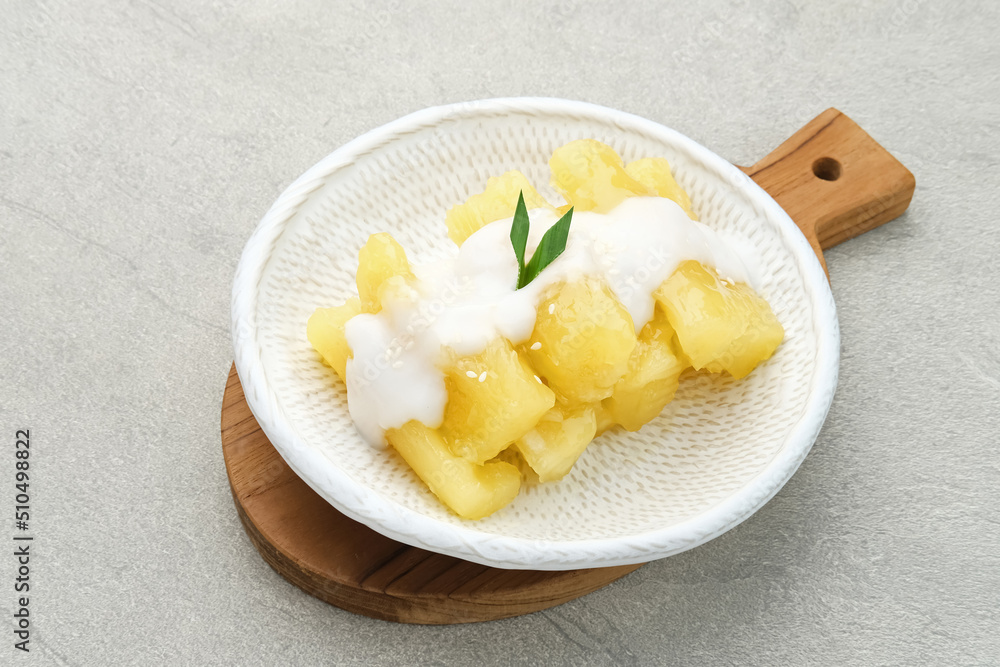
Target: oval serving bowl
(715, 455)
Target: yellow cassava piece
(655, 174)
(496, 202)
(379, 260)
(591, 176)
(556, 442)
(582, 341)
(325, 331)
(493, 399)
(470, 490)
(721, 326)
(654, 371)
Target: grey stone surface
(141, 141)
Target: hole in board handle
(826, 168)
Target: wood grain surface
(834, 181)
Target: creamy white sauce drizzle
(470, 300)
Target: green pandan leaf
(519, 235)
(551, 246)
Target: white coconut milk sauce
(470, 300)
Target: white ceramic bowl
(719, 451)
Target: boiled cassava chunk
(582, 341)
(558, 439)
(380, 260)
(655, 174)
(591, 176)
(654, 370)
(493, 399)
(471, 490)
(325, 331)
(496, 202)
(720, 325)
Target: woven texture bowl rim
(463, 541)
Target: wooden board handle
(834, 181)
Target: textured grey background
(141, 141)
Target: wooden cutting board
(834, 181)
